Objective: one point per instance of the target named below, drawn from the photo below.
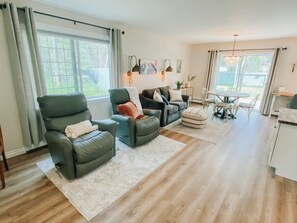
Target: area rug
(213, 132)
(97, 190)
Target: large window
(248, 76)
(74, 64)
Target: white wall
(135, 42)
(199, 60)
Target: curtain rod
(3, 6)
(282, 48)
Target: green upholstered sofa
(133, 132)
(170, 112)
(75, 157)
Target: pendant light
(232, 60)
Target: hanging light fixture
(135, 68)
(169, 68)
(232, 60)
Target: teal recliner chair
(75, 157)
(134, 132)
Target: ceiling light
(232, 60)
(169, 68)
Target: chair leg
(5, 161)
(2, 176)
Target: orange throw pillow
(129, 109)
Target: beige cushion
(193, 125)
(195, 113)
(157, 97)
(195, 122)
(175, 95)
(76, 130)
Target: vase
(187, 85)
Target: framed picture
(178, 65)
(148, 66)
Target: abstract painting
(148, 66)
(178, 66)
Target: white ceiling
(196, 21)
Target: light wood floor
(228, 182)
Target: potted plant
(179, 84)
(189, 79)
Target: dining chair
(223, 107)
(2, 152)
(205, 100)
(249, 107)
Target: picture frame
(148, 66)
(179, 66)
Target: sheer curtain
(27, 71)
(212, 67)
(117, 57)
(265, 105)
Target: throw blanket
(76, 130)
(134, 97)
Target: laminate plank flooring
(203, 182)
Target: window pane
(75, 65)
(94, 68)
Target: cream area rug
(213, 132)
(97, 190)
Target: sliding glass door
(248, 76)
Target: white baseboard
(15, 152)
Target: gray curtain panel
(27, 71)
(213, 59)
(266, 100)
(117, 57)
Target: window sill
(96, 100)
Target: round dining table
(228, 97)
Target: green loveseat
(170, 112)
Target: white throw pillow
(76, 130)
(175, 95)
(157, 97)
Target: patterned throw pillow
(165, 100)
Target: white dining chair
(224, 107)
(249, 107)
(205, 100)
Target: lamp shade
(169, 69)
(136, 68)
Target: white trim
(15, 152)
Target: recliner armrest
(106, 125)
(61, 152)
(185, 98)
(152, 112)
(126, 128)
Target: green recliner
(134, 132)
(75, 157)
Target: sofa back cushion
(165, 92)
(149, 93)
(118, 96)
